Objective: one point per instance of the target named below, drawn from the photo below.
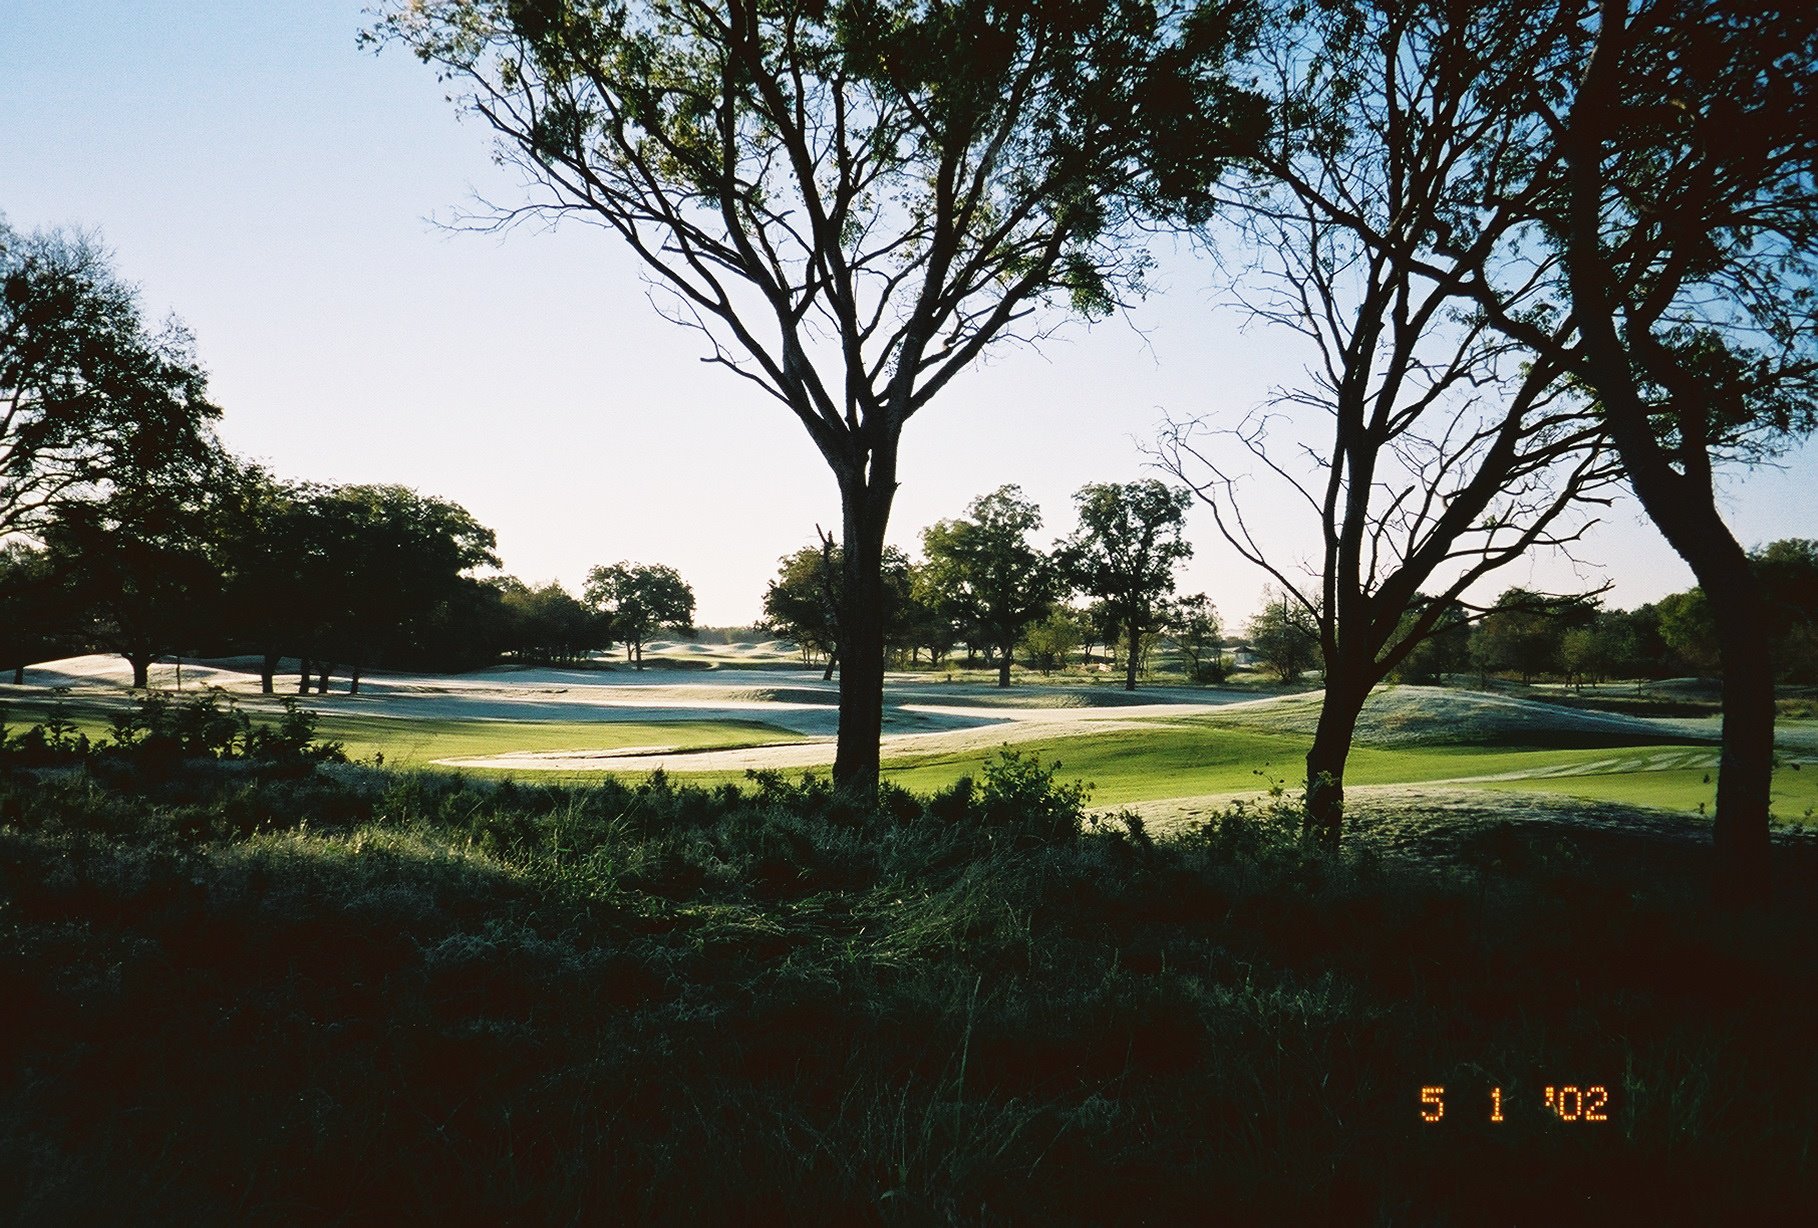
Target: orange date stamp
(1570, 1103)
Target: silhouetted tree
(854, 200)
(87, 393)
(1199, 638)
(1283, 637)
(1426, 447)
(31, 620)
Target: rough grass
(368, 997)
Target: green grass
(1173, 758)
(1186, 759)
(415, 741)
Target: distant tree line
(984, 587)
(126, 527)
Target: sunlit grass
(416, 741)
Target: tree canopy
(1125, 552)
(88, 393)
(852, 201)
(637, 600)
(986, 576)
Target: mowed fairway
(714, 722)
(1163, 763)
(422, 741)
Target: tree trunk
(18, 675)
(833, 661)
(141, 663)
(1003, 668)
(1325, 797)
(865, 512)
(322, 680)
(1681, 503)
(303, 672)
(1745, 774)
(1136, 639)
(268, 670)
(640, 653)
(353, 679)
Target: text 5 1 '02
(1569, 1103)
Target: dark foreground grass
(369, 998)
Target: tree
(639, 599)
(1444, 650)
(136, 567)
(931, 624)
(1194, 627)
(802, 603)
(548, 626)
(1049, 641)
(1600, 650)
(805, 601)
(30, 620)
(1524, 632)
(985, 574)
(87, 393)
(1124, 553)
(853, 201)
(1283, 637)
(1673, 189)
(264, 537)
(391, 560)
(1426, 447)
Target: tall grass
(357, 996)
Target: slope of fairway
(407, 741)
(1441, 716)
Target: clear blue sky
(273, 185)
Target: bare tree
(852, 201)
(1447, 451)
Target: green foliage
(1125, 552)
(1016, 793)
(548, 626)
(158, 731)
(803, 602)
(635, 600)
(1284, 637)
(1194, 627)
(985, 577)
(89, 396)
(1049, 642)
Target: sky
(288, 196)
